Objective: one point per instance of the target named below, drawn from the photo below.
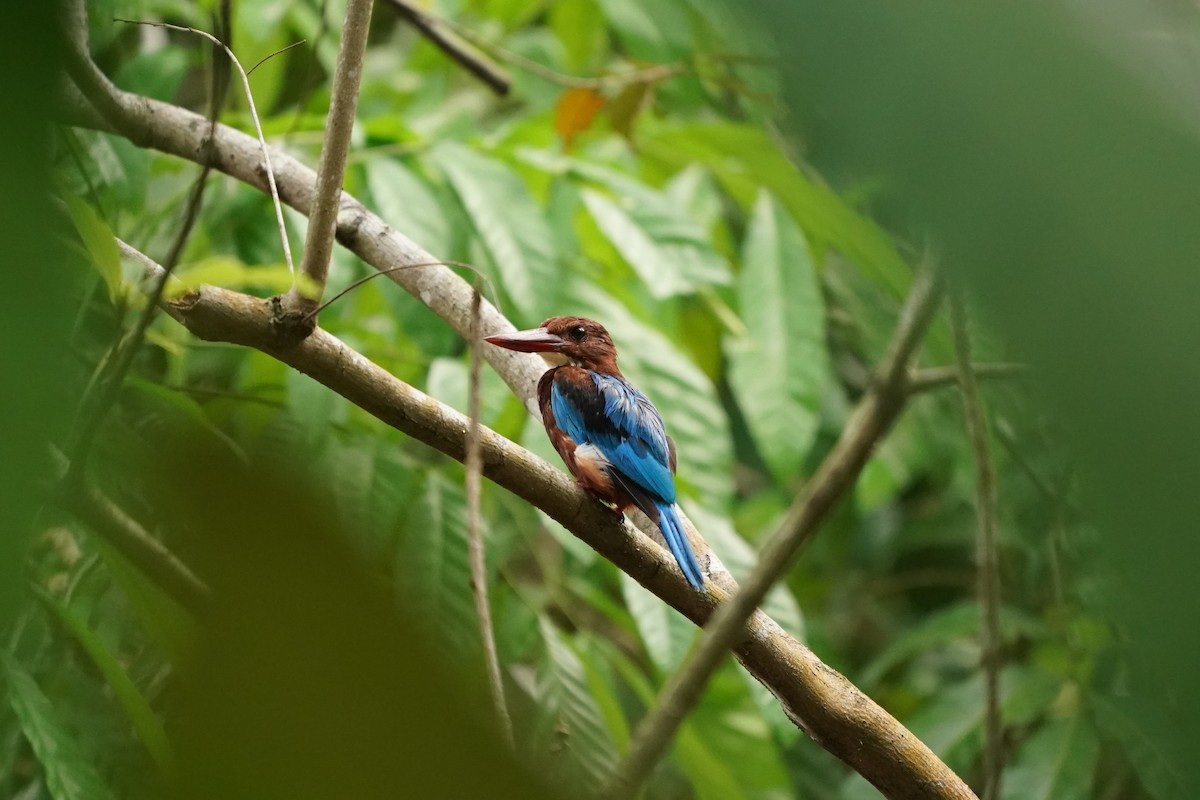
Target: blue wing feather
(625, 427)
(629, 432)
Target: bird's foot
(617, 513)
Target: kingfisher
(609, 434)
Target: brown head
(565, 340)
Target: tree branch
(470, 59)
(837, 473)
(988, 564)
(831, 709)
(331, 170)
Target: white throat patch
(558, 360)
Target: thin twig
(331, 171)
(453, 46)
(837, 474)
(464, 265)
(269, 56)
(929, 378)
(985, 549)
(476, 556)
(262, 140)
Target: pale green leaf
(778, 371)
(666, 634)
(408, 204)
(432, 566)
(658, 272)
(508, 223)
(746, 160)
(169, 623)
(101, 245)
(69, 772)
(572, 717)
(141, 716)
(228, 272)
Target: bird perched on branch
(608, 433)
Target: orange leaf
(574, 113)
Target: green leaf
(508, 223)
(100, 242)
(167, 412)
(409, 205)
(69, 772)
(658, 32)
(1057, 763)
(231, 273)
(432, 565)
(666, 634)
(141, 716)
(778, 372)
(683, 394)
(1156, 766)
(670, 261)
(951, 723)
(570, 713)
(169, 623)
(948, 625)
(746, 160)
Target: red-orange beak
(537, 340)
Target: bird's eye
(577, 333)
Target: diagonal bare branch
(867, 425)
(445, 40)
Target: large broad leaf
(509, 224)
(666, 634)
(657, 32)
(433, 567)
(682, 393)
(669, 252)
(1156, 760)
(98, 238)
(141, 716)
(746, 160)
(571, 718)
(1057, 763)
(778, 371)
(409, 205)
(951, 723)
(69, 772)
(167, 622)
(665, 240)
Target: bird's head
(565, 340)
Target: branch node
(291, 322)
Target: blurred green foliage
(740, 268)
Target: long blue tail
(672, 531)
